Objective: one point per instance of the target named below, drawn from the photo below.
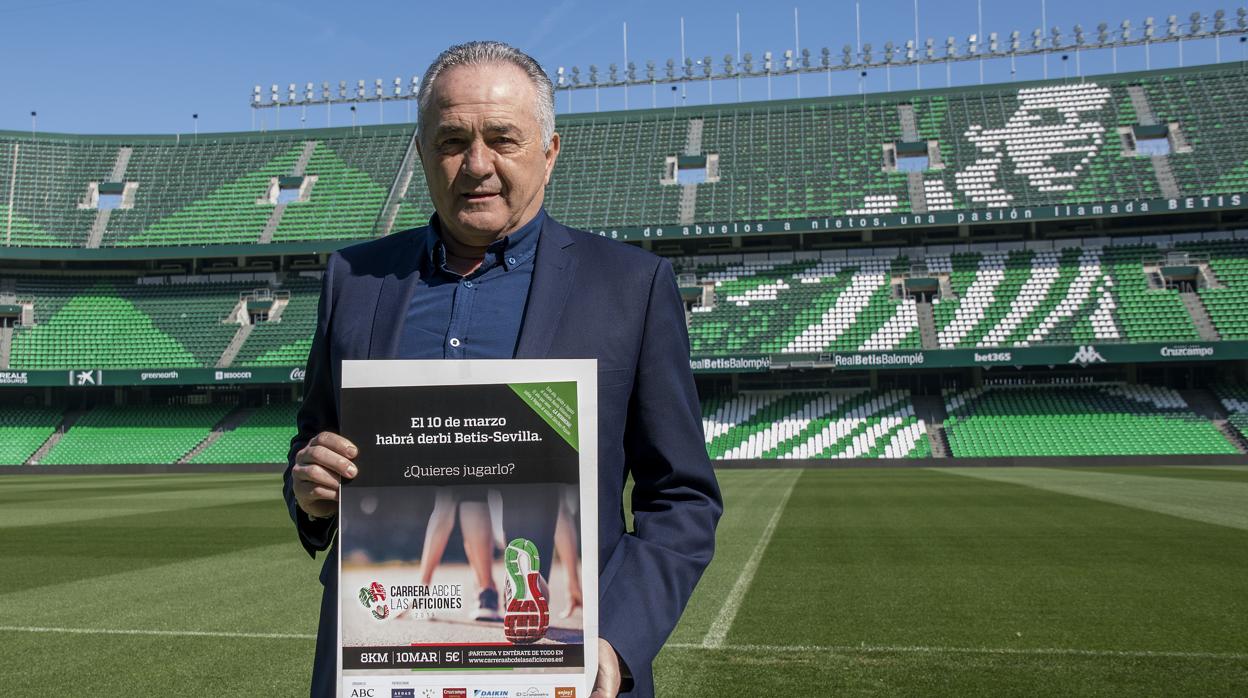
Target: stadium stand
(1076, 420)
(23, 430)
(135, 434)
(802, 306)
(46, 180)
(813, 424)
(353, 177)
(987, 147)
(87, 323)
(285, 342)
(1234, 399)
(263, 438)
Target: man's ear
(552, 154)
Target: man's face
(481, 149)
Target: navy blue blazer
(590, 298)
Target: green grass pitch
(960, 582)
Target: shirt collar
(511, 251)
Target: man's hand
(318, 472)
(607, 685)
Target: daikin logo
(1087, 354)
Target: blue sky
(144, 67)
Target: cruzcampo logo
(555, 403)
(373, 597)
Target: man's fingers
(326, 458)
(320, 492)
(336, 443)
(317, 475)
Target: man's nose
(478, 161)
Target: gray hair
(485, 52)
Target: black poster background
(369, 412)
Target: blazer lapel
(553, 270)
(394, 297)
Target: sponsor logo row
(530, 692)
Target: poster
(464, 536)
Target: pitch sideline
(718, 631)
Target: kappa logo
(373, 598)
(1087, 354)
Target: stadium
(972, 360)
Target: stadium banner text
(1081, 355)
(1006, 214)
(96, 377)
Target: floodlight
(866, 53)
(255, 95)
(1194, 25)
(1148, 27)
(847, 55)
(706, 66)
(805, 58)
(788, 59)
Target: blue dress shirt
(477, 316)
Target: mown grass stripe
(732, 603)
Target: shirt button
(467, 284)
(511, 260)
(454, 341)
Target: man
(493, 277)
